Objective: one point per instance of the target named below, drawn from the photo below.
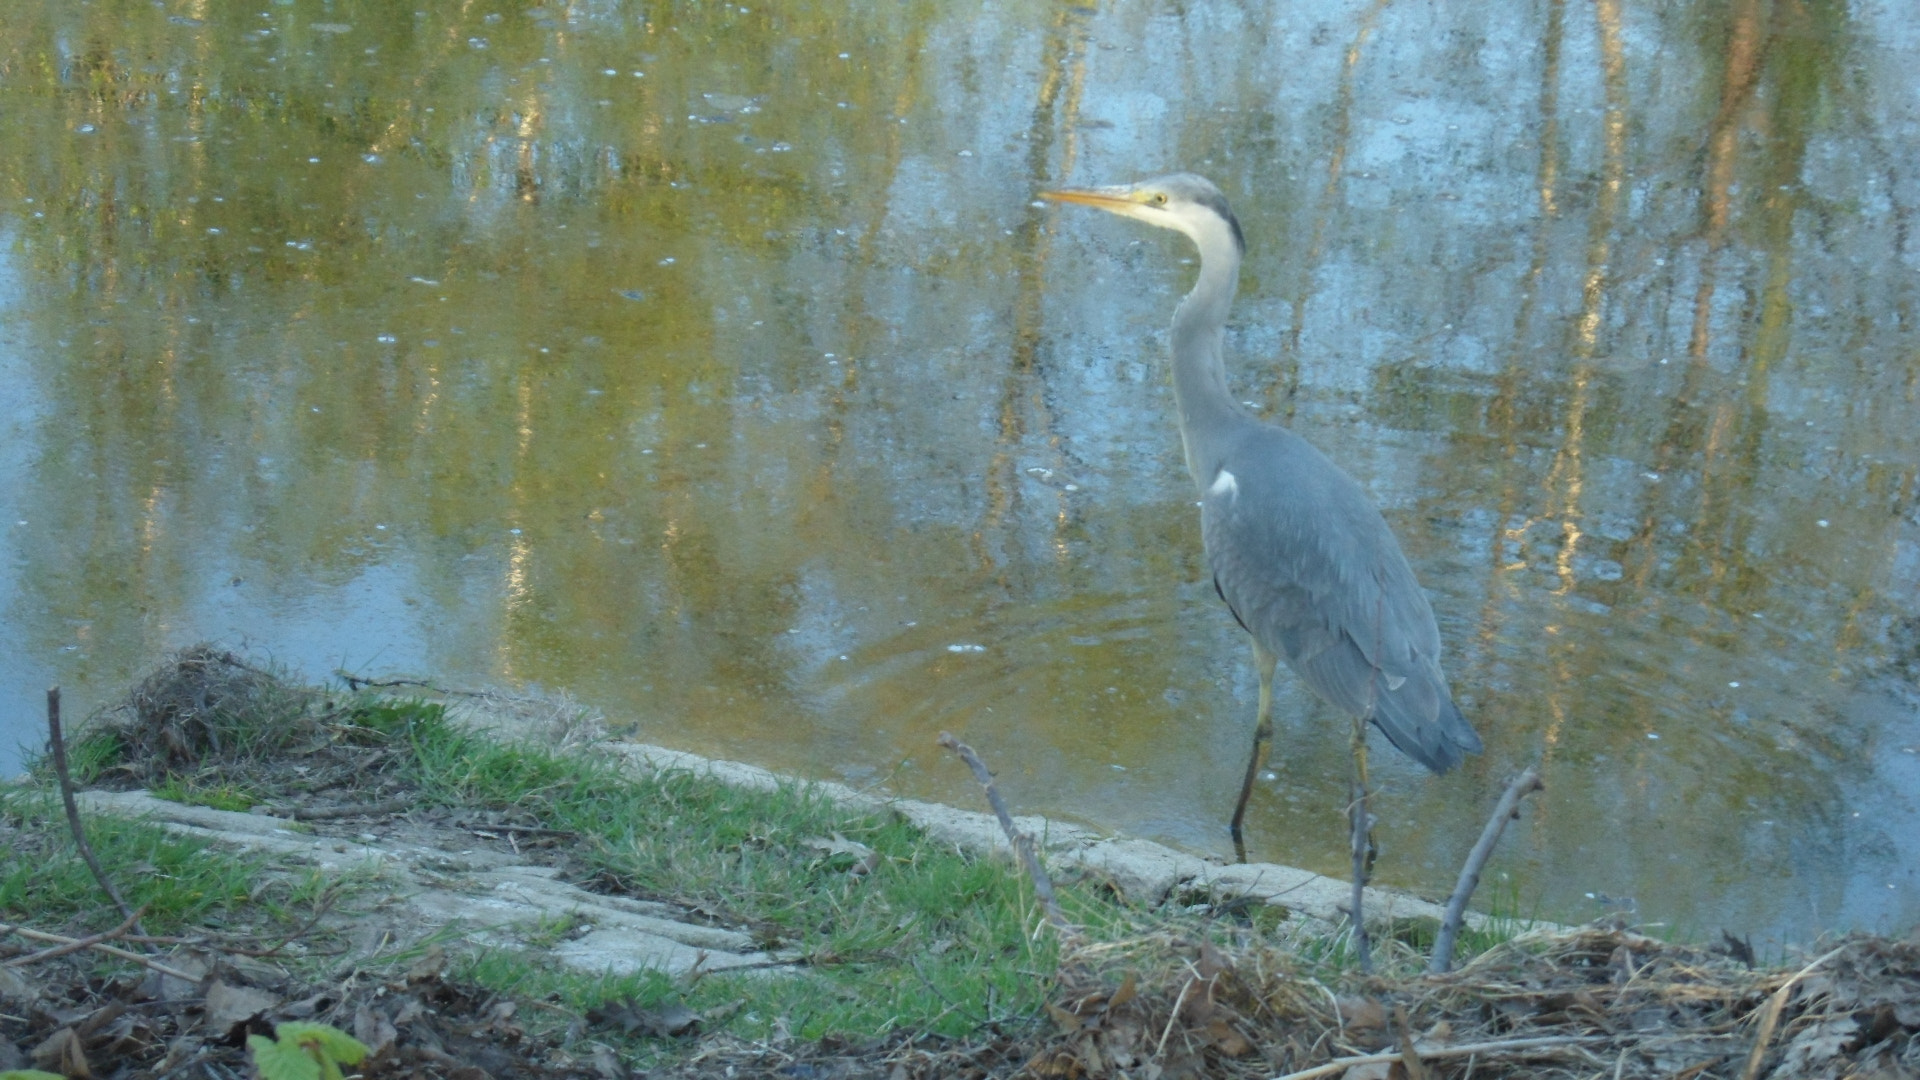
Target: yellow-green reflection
(710, 362)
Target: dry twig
(1518, 1047)
(327, 813)
(76, 944)
(98, 946)
(1022, 843)
(1523, 785)
(1770, 1019)
(59, 747)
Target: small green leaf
(29, 1074)
(336, 1045)
(285, 1060)
(305, 1052)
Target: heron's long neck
(1207, 410)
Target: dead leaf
(839, 845)
(866, 860)
(1212, 961)
(410, 1010)
(429, 966)
(1129, 987)
(15, 986)
(1068, 1021)
(1227, 1039)
(668, 1020)
(1362, 1014)
(1818, 1044)
(607, 1063)
(61, 1052)
(375, 1031)
(1090, 1058)
(229, 1007)
(499, 1021)
(312, 1005)
(160, 987)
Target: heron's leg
(1360, 834)
(1264, 661)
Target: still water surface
(713, 363)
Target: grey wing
(1311, 570)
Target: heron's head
(1179, 201)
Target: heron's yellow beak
(1119, 200)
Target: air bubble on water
(1653, 735)
(1822, 523)
(386, 339)
(966, 648)
(668, 261)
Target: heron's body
(1313, 573)
(1298, 552)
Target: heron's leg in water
(1264, 661)
(1360, 833)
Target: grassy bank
(890, 952)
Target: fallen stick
(1338, 1065)
(1523, 785)
(1022, 843)
(1771, 1018)
(326, 813)
(98, 946)
(59, 747)
(73, 946)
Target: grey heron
(1299, 553)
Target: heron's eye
(1159, 198)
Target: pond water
(713, 363)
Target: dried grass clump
(208, 706)
(1599, 1001)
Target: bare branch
(99, 946)
(1022, 843)
(59, 746)
(1523, 785)
(74, 945)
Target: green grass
(178, 880)
(92, 755)
(217, 797)
(931, 939)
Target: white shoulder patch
(1224, 484)
(1395, 682)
